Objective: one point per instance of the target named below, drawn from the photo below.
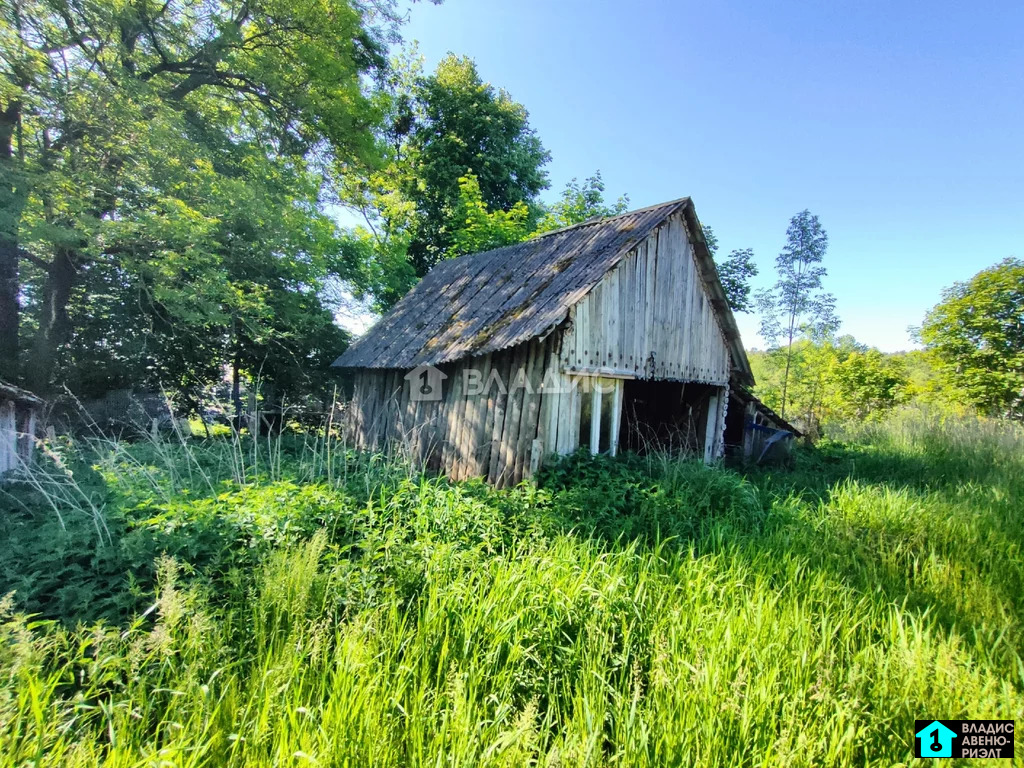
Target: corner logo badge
(963, 738)
(425, 383)
(935, 740)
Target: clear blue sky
(901, 124)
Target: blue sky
(900, 124)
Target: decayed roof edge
(11, 392)
(706, 267)
(745, 394)
(674, 204)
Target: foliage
(579, 203)
(795, 305)
(322, 605)
(710, 239)
(830, 381)
(478, 229)
(438, 129)
(976, 338)
(467, 126)
(926, 386)
(169, 159)
(867, 385)
(734, 272)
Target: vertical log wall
(486, 423)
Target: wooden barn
(19, 413)
(614, 334)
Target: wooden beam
(616, 417)
(595, 420)
(607, 373)
(711, 428)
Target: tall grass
(628, 612)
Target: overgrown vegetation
(286, 601)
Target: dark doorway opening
(664, 416)
(735, 424)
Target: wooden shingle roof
(485, 302)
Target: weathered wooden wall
(650, 316)
(495, 433)
(8, 437)
(17, 434)
(560, 411)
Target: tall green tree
(975, 335)
(129, 128)
(467, 126)
(438, 129)
(796, 305)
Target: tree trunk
(54, 323)
(789, 358)
(785, 381)
(12, 202)
(236, 392)
(9, 310)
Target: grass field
(280, 603)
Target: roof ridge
(606, 219)
(579, 225)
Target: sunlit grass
(640, 612)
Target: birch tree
(796, 305)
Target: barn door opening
(600, 401)
(672, 416)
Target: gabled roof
(485, 302)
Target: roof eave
(11, 392)
(740, 363)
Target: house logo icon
(935, 740)
(425, 383)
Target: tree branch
(31, 257)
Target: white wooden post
(616, 417)
(711, 428)
(595, 417)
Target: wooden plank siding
(629, 297)
(474, 430)
(679, 337)
(648, 318)
(8, 437)
(17, 432)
